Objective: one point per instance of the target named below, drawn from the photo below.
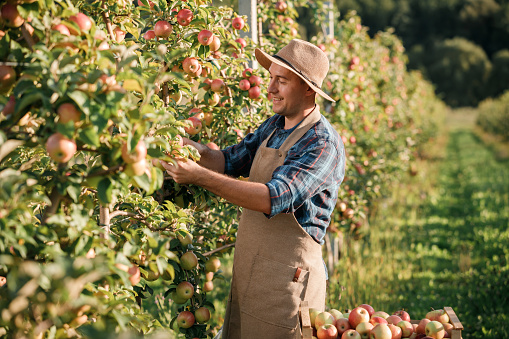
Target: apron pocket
(274, 292)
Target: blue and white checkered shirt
(307, 183)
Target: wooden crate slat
(453, 318)
(305, 320)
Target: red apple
(242, 42)
(435, 329)
(9, 106)
(184, 17)
(238, 23)
(353, 140)
(368, 308)
(194, 127)
(202, 315)
(393, 319)
(60, 148)
(190, 65)
(185, 319)
(149, 35)
(151, 4)
(377, 320)
(208, 286)
(163, 29)
(448, 327)
(137, 154)
(406, 328)
(217, 85)
(134, 274)
(327, 331)
(421, 327)
(255, 80)
(403, 315)
(189, 260)
(68, 112)
(342, 325)
(281, 6)
(83, 22)
(381, 331)
(324, 318)
(10, 15)
(62, 29)
(322, 47)
(7, 78)
(247, 73)
(216, 43)
(185, 290)
(396, 331)
(351, 334)
(205, 37)
(244, 85)
(254, 92)
(119, 34)
(357, 316)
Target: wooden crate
(453, 319)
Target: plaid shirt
(307, 183)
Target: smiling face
(291, 96)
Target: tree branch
(219, 249)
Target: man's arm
(251, 195)
(209, 158)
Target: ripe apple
(357, 316)
(188, 260)
(190, 65)
(176, 96)
(174, 296)
(238, 23)
(377, 320)
(62, 29)
(83, 22)
(214, 100)
(438, 315)
(202, 315)
(342, 325)
(217, 85)
(185, 290)
(244, 85)
(448, 327)
(352, 140)
(60, 148)
(255, 80)
(368, 308)
(381, 331)
(7, 78)
(313, 312)
(184, 17)
(136, 168)
(10, 15)
(351, 334)
(185, 319)
(281, 6)
(188, 238)
(149, 35)
(137, 154)
(68, 112)
(119, 34)
(208, 286)
(396, 331)
(163, 29)
(322, 47)
(364, 329)
(328, 331)
(9, 106)
(216, 43)
(393, 319)
(403, 315)
(134, 274)
(381, 314)
(247, 73)
(435, 329)
(205, 37)
(194, 126)
(242, 42)
(254, 92)
(336, 313)
(421, 327)
(406, 328)
(324, 318)
(212, 265)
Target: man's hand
(185, 171)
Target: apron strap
(303, 127)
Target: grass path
(441, 239)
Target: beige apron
(276, 263)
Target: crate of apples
(363, 322)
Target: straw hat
(303, 58)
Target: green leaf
(105, 190)
(90, 136)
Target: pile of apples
(364, 323)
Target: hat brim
(266, 61)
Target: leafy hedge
(494, 116)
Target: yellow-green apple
(60, 148)
(212, 265)
(323, 318)
(62, 29)
(244, 85)
(186, 239)
(381, 314)
(313, 312)
(368, 308)
(83, 22)
(208, 286)
(137, 154)
(202, 315)
(7, 78)
(11, 16)
(9, 106)
(205, 37)
(136, 168)
(438, 315)
(185, 319)
(281, 6)
(357, 316)
(177, 299)
(396, 331)
(238, 23)
(185, 290)
(217, 85)
(184, 17)
(176, 97)
(364, 329)
(68, 112)
(163, 29)
(189, 260)
(248, 72)
(336, 313)
(403, 315)
(342, 325)
(381, 331)
(421, 327)
(254, 92)
(216, 43)
(377, 320)
(214, 99)
(328, 331)
(149, 35)
(406, 328)
(393, 319)
(194, 126)
(435, 329)
(350, 334)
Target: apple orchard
(94, 93)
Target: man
(295, 164)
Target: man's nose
(272, 87)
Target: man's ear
(310, 91)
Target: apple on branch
(215, 45)
(185, 319)
(135, 155)
(163, 29)
(10, 15)
(185, 290)
(60, 148)
(83, 21)
(205, 37)
(202, 315)
(189, 261)
(68, 112)
(184, 17)
(238, 23)
(7, 78)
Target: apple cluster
(364, 322)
